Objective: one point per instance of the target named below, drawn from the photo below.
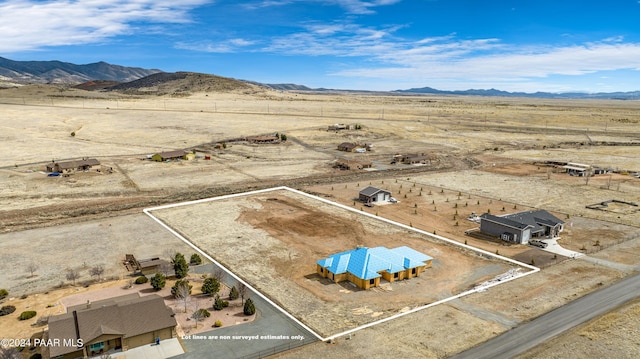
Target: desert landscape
(487, 154)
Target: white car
(393, 200)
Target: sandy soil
(273, 241)
(465, 132)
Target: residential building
(115, 324)
(523, 226)
(85, 164)
(169, 155)
(370, 195)
(365, 267)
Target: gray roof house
(521, 227)
(371, 195)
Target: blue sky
(513, 45)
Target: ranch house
(365, 267)
(523, 226)
(169, 155)
(111, 325)
(85, 164)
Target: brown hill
(96, 85)
(184, 83)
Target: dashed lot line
(531, 268)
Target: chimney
(88, 304)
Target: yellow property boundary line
(148, 211)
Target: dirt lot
(281, 235)
(468, 134)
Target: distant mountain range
(632, 95)
(101, 75)
(24, 72)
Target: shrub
(7, 309)
(201, 313)
(211, 286)
(27, 314)
(195, 259)
(217, 324)
(158, 281)
(3, 293)
(181, 288)
(220, 304)
(141, 280)
(233, 294)
(249, 308)
(36, 356)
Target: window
(395, 275)
(96, 346)
(413, 271)
(372, 281)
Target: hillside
(184, 83)
(23, 72)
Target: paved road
(270, 321)
(527, 336)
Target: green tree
(180, 266)
(283, 137)
(181, 288)
(249, 308)
(219, 303)
(195, 259)
(158, 281)
(211, 286)
(233, 294)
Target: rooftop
(365, 263)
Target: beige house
(366, 267)
(85, 164)
(115, 324)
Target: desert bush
(36, 356)
(201, 313)
(233, 294)
(142, 280)
(27, 314)
(217, 324)
(3, 293)
(195, 259)
(7, 309)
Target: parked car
(54, 174)
(393, 200)
(537, 243)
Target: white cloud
(223, 46)
(29, 24)
(384, 55)
(359, 7)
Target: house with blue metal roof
(365, 267)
